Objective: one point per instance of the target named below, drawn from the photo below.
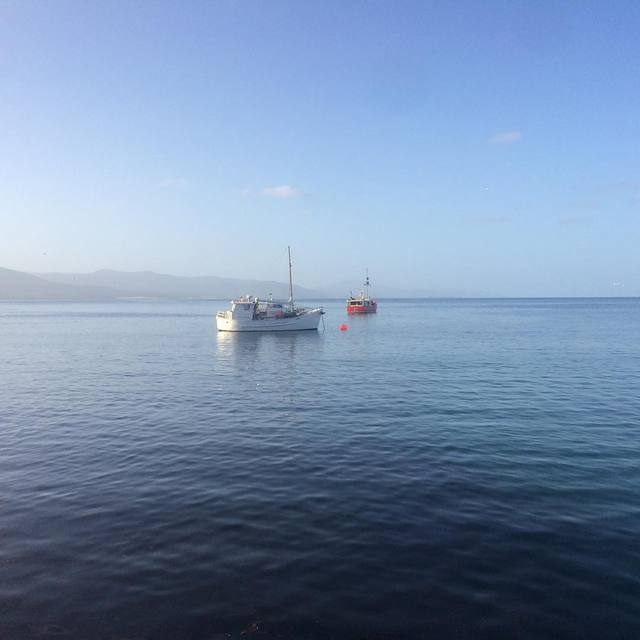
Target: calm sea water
(465, 469)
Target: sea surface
(444, 469)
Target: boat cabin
(250, 308)
(357, 302)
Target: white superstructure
(251, 314)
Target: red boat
(362, 303)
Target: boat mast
(290, 282)
(366, 282)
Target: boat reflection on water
(261, 366)
(241, 344)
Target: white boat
(252, 314)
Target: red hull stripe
(371, 309)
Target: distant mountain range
(109, 284)
(17, 285)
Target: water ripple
(462, 469)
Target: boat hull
(305, 322)
(373, 308)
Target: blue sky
(469, 147)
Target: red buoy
(343, 327)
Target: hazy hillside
(109, 284)
(17, 285)
(346, 287)
(151, 284)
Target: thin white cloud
(173, 183)
(284, 191)
(506, 137)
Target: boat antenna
(290, 282)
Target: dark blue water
(465, 469)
